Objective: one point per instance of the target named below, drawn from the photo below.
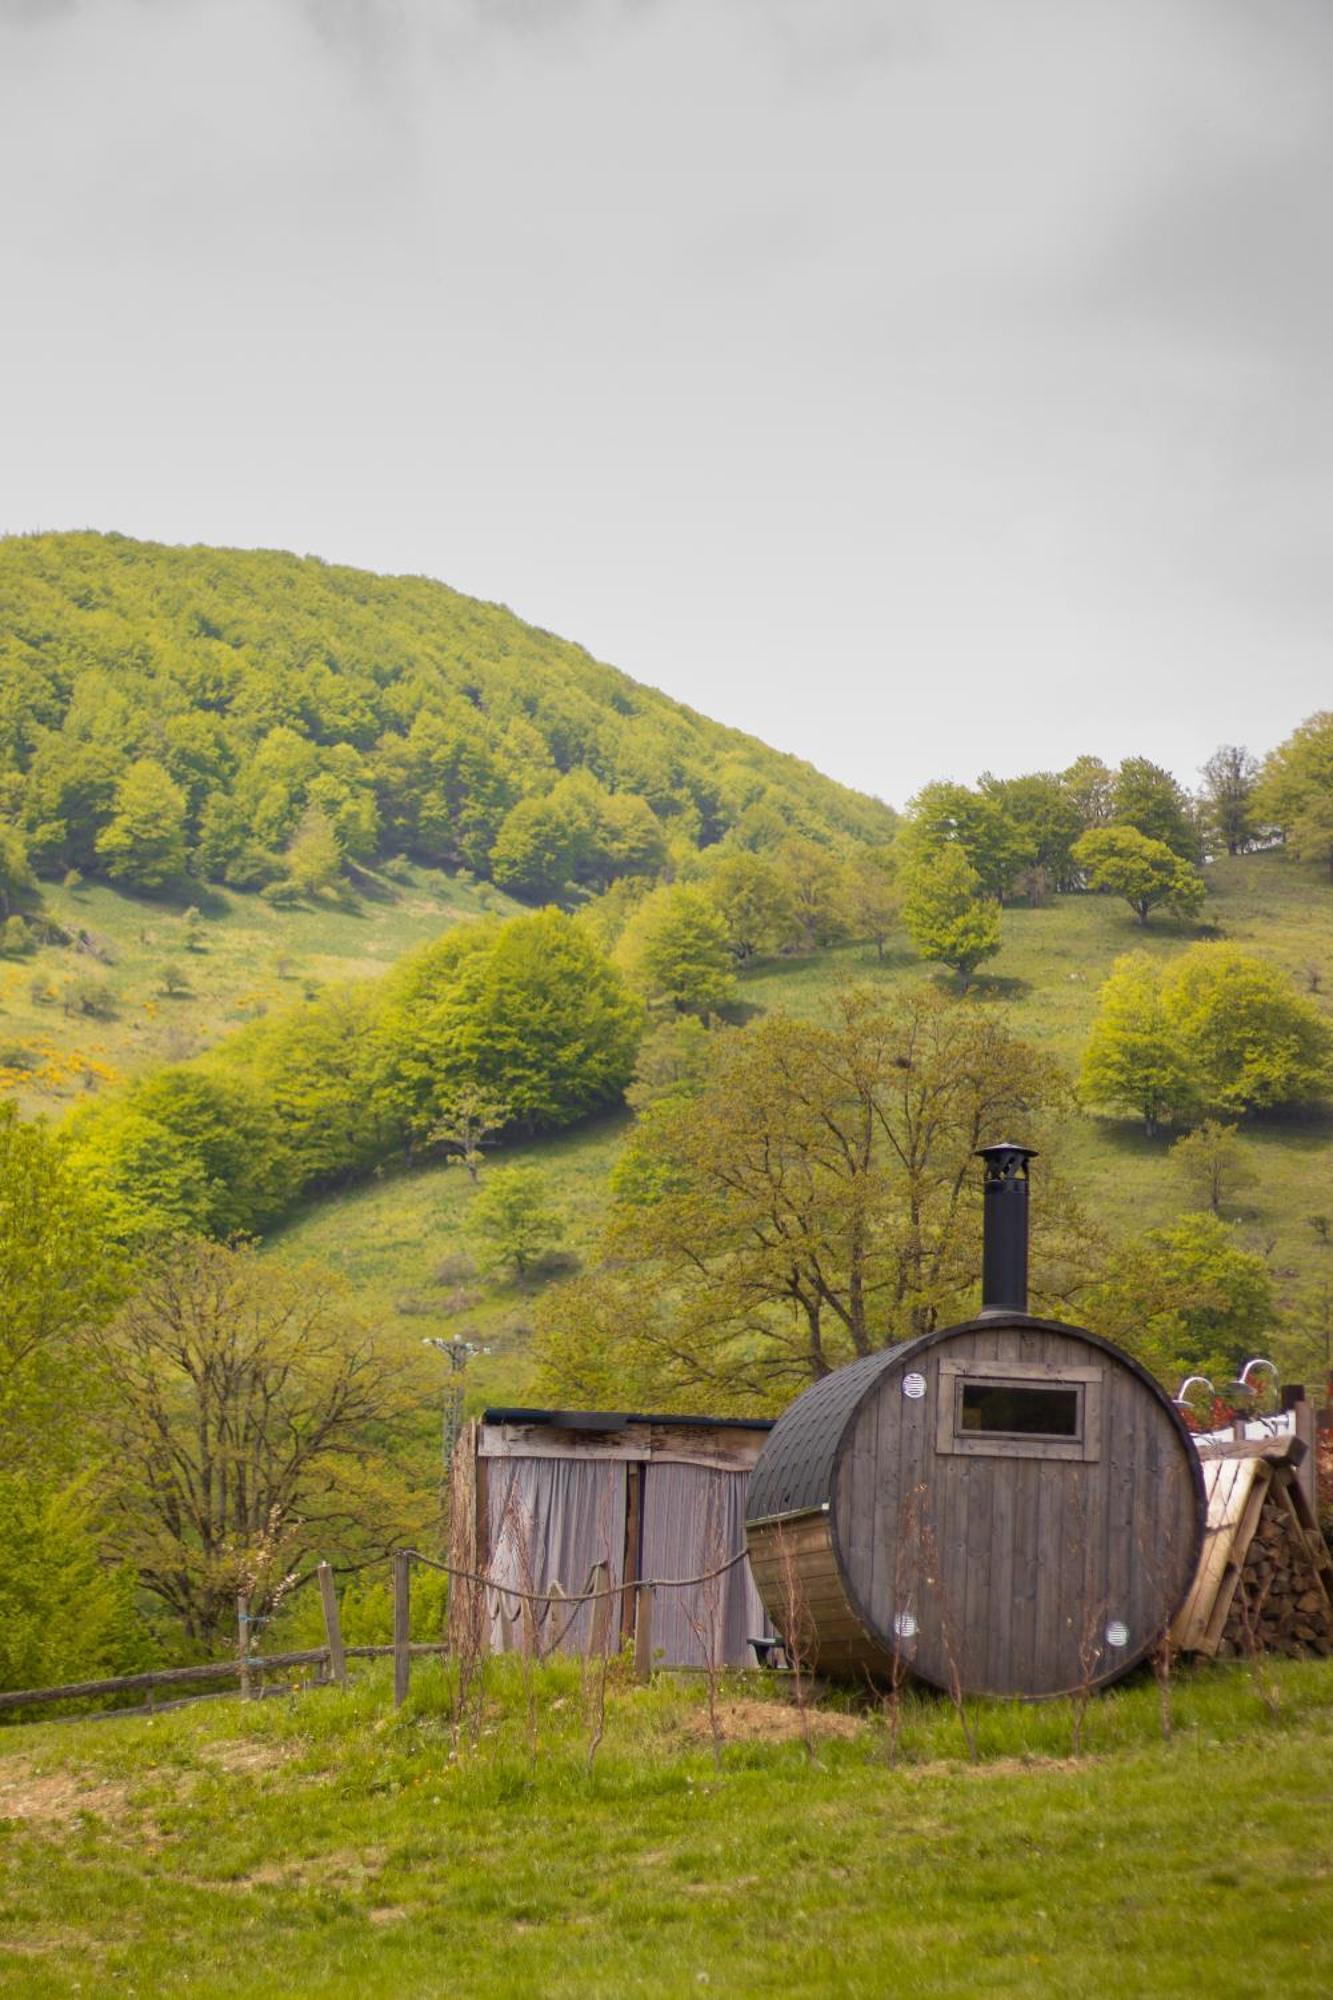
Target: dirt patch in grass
(749, 1721)
(343, 1868)
(53, 1798)
(244, 1756)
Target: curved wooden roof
(795, 1472)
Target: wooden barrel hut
(1011, 1504)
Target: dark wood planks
(1016, 1564)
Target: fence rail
(215, 1670)
(334, 1655)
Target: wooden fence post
(243, 1640)
(333, 1631)
(599, 1579)
(1306, 1427)
(402, 1625)
(643, 1632)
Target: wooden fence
(331, 1658)
(249, 1668)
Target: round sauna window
(904, 1625)
(1117, 1633)
(914, 1386)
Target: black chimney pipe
(1004, 1257)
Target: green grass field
(251, 958)
(321, 1846)
(392, 1234)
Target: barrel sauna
(1011, 1503)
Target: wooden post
(1306, 1428)
(599, 1578)
(402, 1625)
(633, 1537)
(328, 1597)
(243, 1641)
(466, 1612)
(643, 1632)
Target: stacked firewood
(1281, 1604)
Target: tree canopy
(1216, 1028)
(945, 914)
(247, 1415)
(247, 713)
(1295, 790)
(813, 1198)
(1146, 872)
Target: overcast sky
(924, 387)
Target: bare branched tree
(246, 1420)
(596, 1666)
(472, 1119)
(704, 1611)
(797, 1630)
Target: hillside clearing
(388, 1236)
(250, 958)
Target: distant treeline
(258, 719)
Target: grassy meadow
(324, 1846)
(250, 957)
(392, 1235)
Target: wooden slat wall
(1031, 1557)
(1232, 1486)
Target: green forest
(272, 723)
(377, 967)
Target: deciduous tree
(1296, 783)
(1148, 798)
(944, 912)
(1145, 872)
(1228, 791)
(815, 1198)
(529, 1010)
(994, 842)
(143, 844)
(754, 900)
(674, 949)
(314, 858)
(872, 899)
(1254, 1041)
(469, 1121)
(1136, 1058)
(1186, 1299)
(248, 1417)
(512, 1220)
(1213, 1164)
(16, 876)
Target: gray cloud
(874, 375)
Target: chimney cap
(1005, 1155)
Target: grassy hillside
(248, 957)
(393, 1235)
(324, 1846)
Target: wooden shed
(542, 1497)
(1011, 1503)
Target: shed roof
(619, 1420)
